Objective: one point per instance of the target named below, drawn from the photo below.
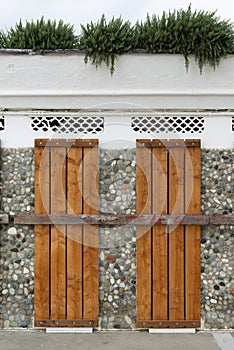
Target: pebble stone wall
(117, 246)
(117, 253)
(17, 242)
(217, 243)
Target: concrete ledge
(69, 330)
(172, 330)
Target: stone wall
(117, 245)
(217, 243)
(117, 254)
(17, 242)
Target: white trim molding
(117, 131)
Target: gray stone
(12, 231)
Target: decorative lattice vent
(2, 123)
(232, 123)
(168, 124)
(68, 124)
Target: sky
(79, 12)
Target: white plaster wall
(140, 81)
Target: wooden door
(66, 256)
(168, 257)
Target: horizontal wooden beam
(4, 219)
(158, 143)
(168, 324)
(66, 143)
(65, 323)
(119, 220)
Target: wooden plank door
(168, 258)
(66, 256)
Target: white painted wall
(141, 82)
(117, 133)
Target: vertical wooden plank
(90, 234)
(74, 235)
(42, 235)
(143, 244)
(176, 235)
(192, 235)
(160, 236)
(58, 234)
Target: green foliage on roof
(104, 41)
(40, 35)
(198, 33)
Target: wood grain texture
(90, 234)
(192, 235)
(41, 235)
(168, 324)
(66, 323)
(74, 236)
(161, 143)
(143, 245)
(175, 273)
(121, 219)
(66, 143)
(176, 235)
(58, 234)
(160, 236)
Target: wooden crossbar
(164, 143)
(65, 323)
(66, 143)
(116, 220)
(168, 324)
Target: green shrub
(40, 35)
(2, 39)
(201, 34)
(103, 41)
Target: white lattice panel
(168, 124)
(121, 129)
(68, 124)
(2, 123)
